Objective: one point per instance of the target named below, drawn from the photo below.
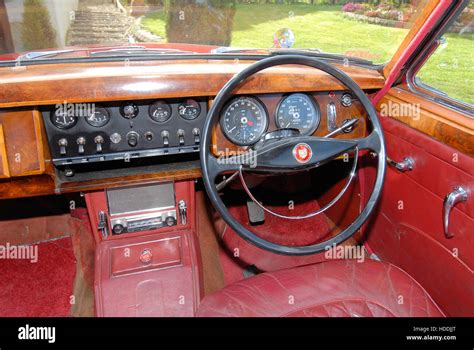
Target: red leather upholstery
(342, 288)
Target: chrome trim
(348, 123)
(321, 210)
(407, 164)
(331, 115)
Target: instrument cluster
(245, 119)
(91, 132)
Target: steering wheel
(290, 154)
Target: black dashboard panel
(124, 136)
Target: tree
(199, 21)
(37, 31)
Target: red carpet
(37, 289)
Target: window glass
(369, 29)
(450, 67)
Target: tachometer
(244, 120)
(298, 111)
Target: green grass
(450, 68)
(325, 28)
(155, 23)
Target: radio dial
(118, 229)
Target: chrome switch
(165, 135)
(81, 141)
(181, 137)
(331, 115)
(197, 136)
(62, 146)
(98, 140)
(182, 212)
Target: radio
(143, 222)
(141, 208)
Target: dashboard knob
(149, 136)
(118, 229)
(346, 100)
(62, 143)
(81, 141)
(98, 140)
(170, 221)
(132, 138)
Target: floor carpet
(41, 288)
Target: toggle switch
(98, 140)
(181, 137)
(81, 141)
(197, 136)
(165, 135)
(62, 143)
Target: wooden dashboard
(25, 159)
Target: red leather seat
(342, 288)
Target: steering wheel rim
(375, 142)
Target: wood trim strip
(112, 81)
(441, 123)
(40, 141)
(5, 170)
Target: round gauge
(160, 111)
(244, 121)
(298, 111)
(129, 110)
(99, 117)
(189, 109)
(63, 119)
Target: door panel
(408, 228)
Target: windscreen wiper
(42, 54)
(137, 51)
(119, 51)
(308, 52)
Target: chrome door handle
(406, 164)
(459, 194)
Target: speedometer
(298, 111)
(244, 120)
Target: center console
(147, 258)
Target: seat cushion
(340, 288)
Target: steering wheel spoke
(371, 142)
(300, 153)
